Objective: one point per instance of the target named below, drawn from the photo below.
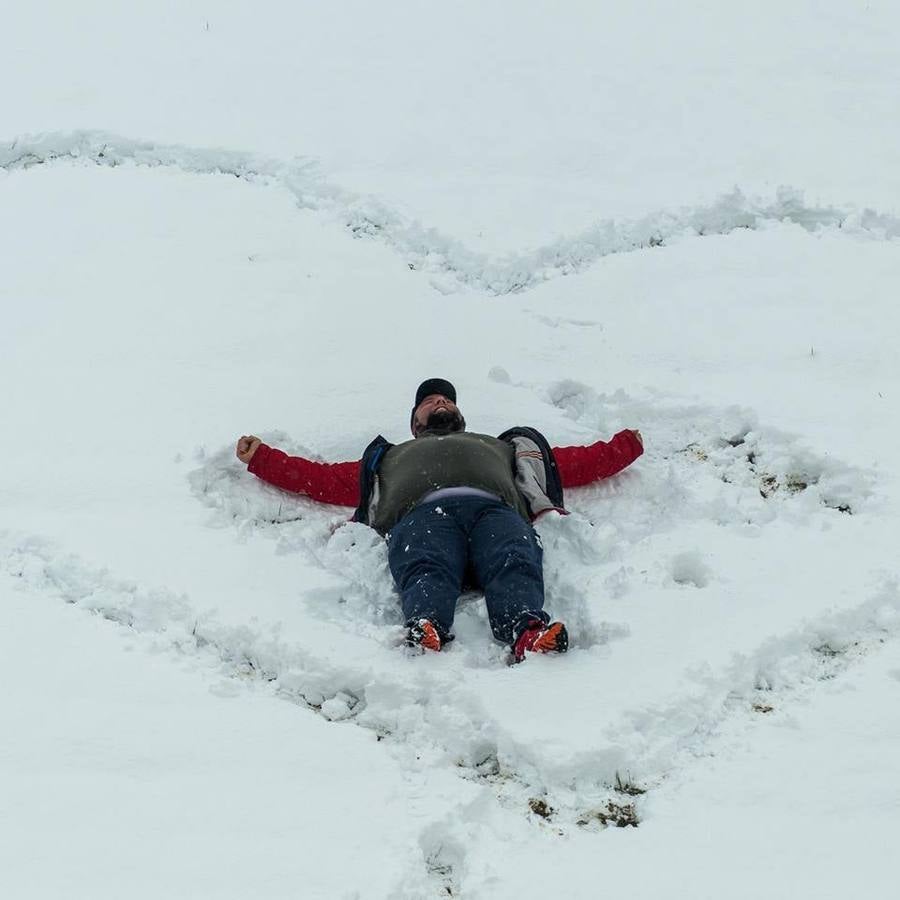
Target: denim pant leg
(427, 557)
(507, 559)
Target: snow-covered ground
(217, 221)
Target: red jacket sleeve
(582, 465)
(336, 483)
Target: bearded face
(437, 414)
(444, 421)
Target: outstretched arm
(582, 465)
(336, 483)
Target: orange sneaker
(537, 637)
(423, 633)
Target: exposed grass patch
(628, 787)
(541, 807)
(768, 486)
(621, 815)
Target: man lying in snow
(456, 508)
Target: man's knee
(519, 552)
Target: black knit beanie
(427, 388)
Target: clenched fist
(246, 447)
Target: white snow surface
(217, 220)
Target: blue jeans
(439, 546)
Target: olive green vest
(411, 470)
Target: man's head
(435, 410)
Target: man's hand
(246, 447)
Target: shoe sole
(427, 637)
(554, 640)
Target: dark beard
(444, 421)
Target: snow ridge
(443, 720)
(429, 250)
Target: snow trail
(427, 248)
(441, 719)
